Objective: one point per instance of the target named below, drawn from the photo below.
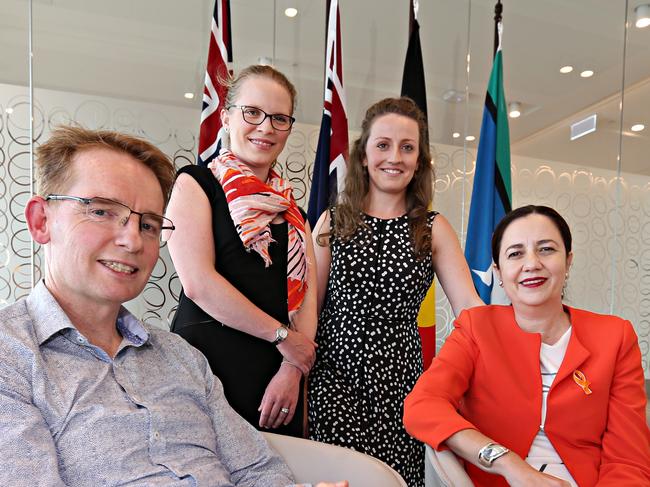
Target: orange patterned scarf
(253, 205)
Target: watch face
(489, 452)
(283, 333)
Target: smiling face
(258, 146)
(392, 153)
(91, 263)
(533, 262)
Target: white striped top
(542, 454)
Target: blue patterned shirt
(154, 415)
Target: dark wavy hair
(419, 192)
(524, 211)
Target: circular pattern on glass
(544, 182)
(581, 205)
(154, 296)
(58, 116)
(185, 139)
(93, 114)
(155, 126)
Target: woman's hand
(281, 393)
(299, 350)
(520, 474)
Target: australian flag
(219, 68)
(330, 164)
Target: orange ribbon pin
(582, 381)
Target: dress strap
(431, 215)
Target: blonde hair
(419, 192)
(54, 158)
(262, 71)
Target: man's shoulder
(171, 344)
(165, 338)
(15, 322)
(18, 344)
(14, 311)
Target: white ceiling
(155, 50)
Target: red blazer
(487, 377)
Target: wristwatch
(489, 453)
(281, 335)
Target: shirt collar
(131, 328)
(49, 318)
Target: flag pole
(498, 10)
(492, 187)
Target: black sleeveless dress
(369, 353)
(245, 364)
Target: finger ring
(284, 410)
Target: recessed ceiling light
(566, 69)
(637, 127)
(291, 12)
(642, 13)
(9, 110)
(453, 96)
(189, 95)
(514, 109)
(587, 73)
(470, 138)
(455, 135)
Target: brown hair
(54, 157)
(419, 192)
(263, 71)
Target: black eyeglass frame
(87, 201)
(266, 115)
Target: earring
(500, 283)
(226, 129)
(564, 285)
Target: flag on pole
(413, 86)
(219, 67)
(492, 191)
(330, 164)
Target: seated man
(88, 394)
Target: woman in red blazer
(536, 393)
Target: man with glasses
(88, 394)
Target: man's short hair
(54, 157)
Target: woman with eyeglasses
(243, 253)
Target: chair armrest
(312, 461)
(444, 469)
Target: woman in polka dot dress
(376, 253)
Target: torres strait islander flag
(218, 69)
(492, 190)
(330, 164)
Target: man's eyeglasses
(103, 210)
(256, 116)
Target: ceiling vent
(583, 127)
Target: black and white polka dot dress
(369, 349)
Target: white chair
(444, 469)
(311, 461)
